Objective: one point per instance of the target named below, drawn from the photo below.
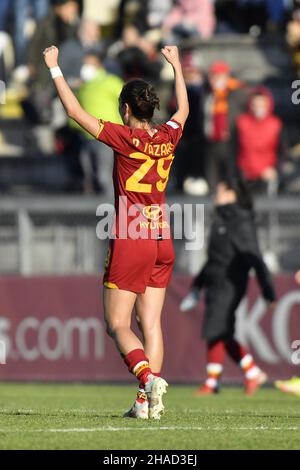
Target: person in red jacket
(259, 139)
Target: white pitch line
(100, 410)
(56, 410)
(158, 428)
(95, 410)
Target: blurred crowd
(104, 43)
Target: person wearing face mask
(224, 100)
(233, 251)
(260, 140)
(99, 95)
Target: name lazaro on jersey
(142, 165)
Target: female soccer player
(140, 256)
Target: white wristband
(55, 72)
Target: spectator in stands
(73, 50)
(136, 55)
(23, 11)
(131, 37)
(99, 96)
(4, 7)
(276, 11)
(224, 101)
(254, 16)
(135, 63)
(189, 161)
(149, 15)
(104, 13)
(59, 25)
(271, 12)
(238, 16)
(6, 48)
(293, 37)
(153, 13)
(190, 18)
(259, 139)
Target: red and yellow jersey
(142, 165)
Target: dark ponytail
(141, 97)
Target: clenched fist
(51, 56)
(171, 54)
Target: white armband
(173, 124)
(56, 72)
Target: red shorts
(135, 264)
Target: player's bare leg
(148, 313)
(118, 306)
(148, 309)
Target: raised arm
(172, 56)
(71, 104)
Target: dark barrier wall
(53, 329)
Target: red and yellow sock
(138, 365)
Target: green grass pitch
(89, 417)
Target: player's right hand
(51, 56)
(190, 301)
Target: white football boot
(155, 388)
(140, 409)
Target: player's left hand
(271, 306)
(171, 54)
(51, 56)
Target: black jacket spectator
(233, 251)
